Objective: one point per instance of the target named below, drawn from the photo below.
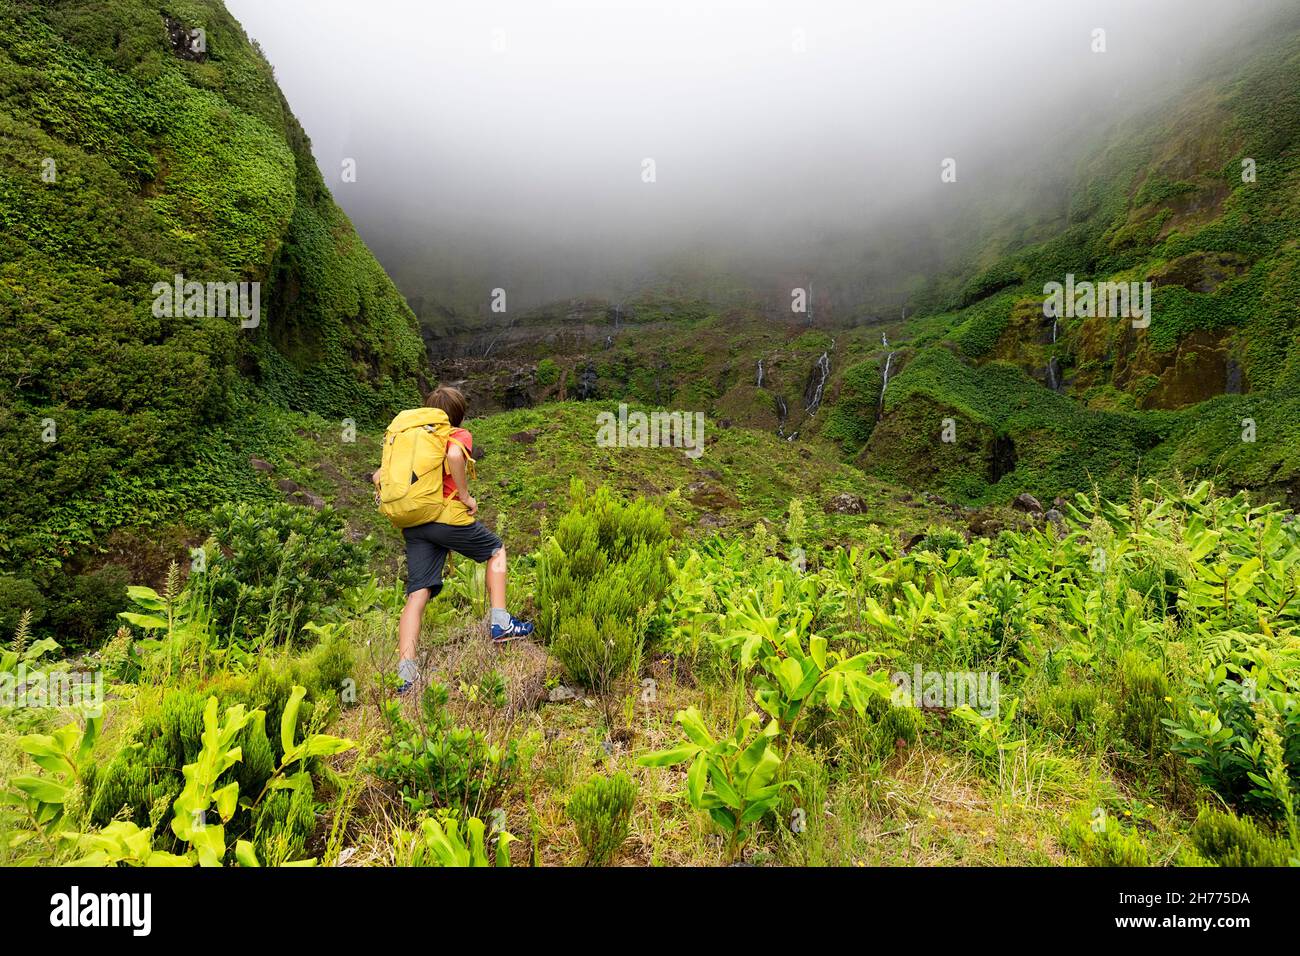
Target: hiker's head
(450, 400)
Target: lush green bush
(1107, 845)
(1219, 732)
(435, 763)
(278, 567)
(18, 595)
(143, 781)
(1143, 689)
(85, 611)
(1229, 840)
(601, 810)
(598, 577)
(597, 655)
(547, 373)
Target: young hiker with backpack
(423, 488)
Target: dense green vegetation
(1123, 689)
(124, 161)
(827, 640)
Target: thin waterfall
(760, 373)
(884, 379)
(824, 367)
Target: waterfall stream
(884, 378)
(760, 373)
(824, 367)
(884, 384)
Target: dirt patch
(523, 665)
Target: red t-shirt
(449, 483)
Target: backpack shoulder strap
(469, 459)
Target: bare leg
(496, 578)
(408, 628)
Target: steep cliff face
(140, 142)
(1200, 199)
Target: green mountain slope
(1210, 386)
(133, 149)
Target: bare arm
(456, 467)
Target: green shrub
(1143, 689)
(1219, 734)
(901, 723)
(16, 596)
(1067, 709)
(143, 780)
(435, 763)
(941, 541)
(277, 568)
(601, 810)
(1229, 840)
(145, 773)
(597, 656)
(547, 373)
(323, 671)
(1107, 845)
(598, 577)
(283, 824)
(85, 611)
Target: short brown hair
(450, 400)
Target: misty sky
(510, 136)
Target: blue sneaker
(512, 632)
(404, 688)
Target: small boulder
(526, 437)
(1056, 518)
(846, 504)
(1027, 503)
(308, 499)
(913, 541)
(985, 524)
(260, 465)
(287, 486)
(561, 693)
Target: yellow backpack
(415, 456)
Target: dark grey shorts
(427, 546)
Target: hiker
(423, 488)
